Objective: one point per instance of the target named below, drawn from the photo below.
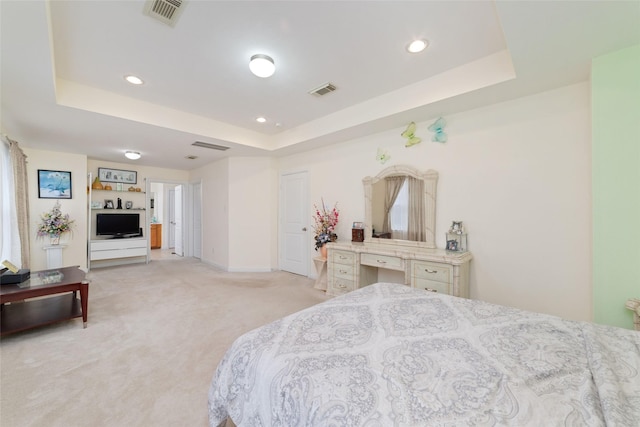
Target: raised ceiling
(64, 62)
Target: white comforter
(389, 355)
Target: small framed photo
(128, 204)
(358, 225)
(108, 204)
(117, 175)
(96, 204)
(54, 184)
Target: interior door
(294, 223)
(197, 220)
(179, 250)
(171, 232)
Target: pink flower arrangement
(325, 224)
(54, 223)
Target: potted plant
(325, 225)
(54, 224)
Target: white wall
(215, 212)
(75, 252)
(516, 173)
(250, 214)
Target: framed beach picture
(117, 175)
(54, 184)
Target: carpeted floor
(156, 333)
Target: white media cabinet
(117, 251)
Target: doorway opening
(167, 228)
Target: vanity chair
(352, 265)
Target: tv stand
(117, 251)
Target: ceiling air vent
(323, 90)
(211, 146)
(165, 11)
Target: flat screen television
(118, 224)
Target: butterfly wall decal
(438, 130)
(409, 133)
(382, 156)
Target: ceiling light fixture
(133, 155)
(417, 46)
(262, 65)
(261, 120)
(134, 80)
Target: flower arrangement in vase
(54, 224)
(325, 225)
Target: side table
(321, 269)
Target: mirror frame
(429, 180)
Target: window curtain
(14, 217)
(416, 228)
(393, 187)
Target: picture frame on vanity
(96, 205)
(117, 175)
(128, 204)
(108, 204)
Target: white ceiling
(63, 64)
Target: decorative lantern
(456, 238)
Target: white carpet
(156, 333)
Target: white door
(171, 235)
(294, 220)
(178, 220)
(197, 220)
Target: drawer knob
(431, 290)
(430, 271)
(343, 257)
(341, 286)
(379, 261)
(343, 271)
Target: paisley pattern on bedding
(389, 355)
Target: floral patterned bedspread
(389, 355)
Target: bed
(390, 355)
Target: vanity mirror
(400, 207)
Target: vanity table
(353, 265)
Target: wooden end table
(19, 312)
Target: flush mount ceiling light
(262, 65)
(417, 46)
(261, 120)
(134, 80)
(133, 155)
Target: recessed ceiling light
(133, 155)
(134, 80)
(262, 65)
(261, 120)
(417, 46)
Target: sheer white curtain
(14, 215)
(393, 187)
(400, 214)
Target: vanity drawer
(383, 261)
(343, 257)
(433, 286)
(432, 271)
(344, 271)
(342, 286)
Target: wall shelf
(107, 252)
